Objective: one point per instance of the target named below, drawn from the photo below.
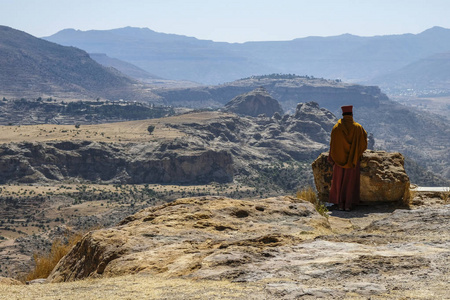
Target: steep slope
(254, 103)
(32, 66)
(289, 90)
(413, 132)
(179, 57)
(167, 55)
(124, 67)
(191, 148)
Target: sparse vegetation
(310, 195)
(150, 129)
(79, 112)
(278, 76)
(446, 196)
(44, 263)
(281, 176)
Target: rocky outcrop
(279, 244)
(254, 103)
(313, 120)
(383, 177)
(208, 146)
(104, 162)
(207, 237)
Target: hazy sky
(230, 20)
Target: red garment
(345, 186)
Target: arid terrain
(282, 249)
(174, 179)
(87, 176)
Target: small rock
(9, 281)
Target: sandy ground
(135, 287)
(131, 131)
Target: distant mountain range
(35, 67)
(30, 64)
(348, 57)
(428, 76)
(124, 67)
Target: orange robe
(348, 142)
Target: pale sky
(230, 20)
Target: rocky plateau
(279, 243)
(214, 147)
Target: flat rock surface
(279, 246)
(432, 189)
(203, 237)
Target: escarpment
(103, 162)
(206, 147)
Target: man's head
(347, 110)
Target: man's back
(348, 142)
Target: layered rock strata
(209, 146)
(104, 162)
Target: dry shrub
(310, 195)
(446, 196)
(46, 262)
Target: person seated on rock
(348, 142)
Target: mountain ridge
(36, 67)
(346, 56)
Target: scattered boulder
(205, 237)
(383, 177)
(255, 103)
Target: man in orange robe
(348, 142)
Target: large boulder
(254, 103)
(383, 177)
(204, 237)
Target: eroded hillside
(191, 148)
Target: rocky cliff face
(396, 128)
(383, 177)
(254, 103)
(116, 163)
(215, 147)
(288, 90)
